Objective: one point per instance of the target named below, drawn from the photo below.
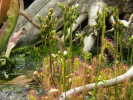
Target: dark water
(24, 64)
(13, 92)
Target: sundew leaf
(4, 7)
(110, 47)
(12, 15)
(32, 95)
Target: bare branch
(21, 4)
(29, 18)
(22, 12)
(130, 19)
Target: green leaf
(4, 7)
(8, 28)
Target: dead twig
(22, 12)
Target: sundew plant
(62, 70)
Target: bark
(39, 7)
(87, 8)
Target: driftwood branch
(41, 7)
(21, 4)
(22, 12)
(90, 87)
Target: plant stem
(50, 62)
(71, 52)
(121, 46)
(101, 54)
(132, 56)
(65, 29)
(8, 59)
(64, 75)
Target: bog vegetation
(68, 67)
(65, 70)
